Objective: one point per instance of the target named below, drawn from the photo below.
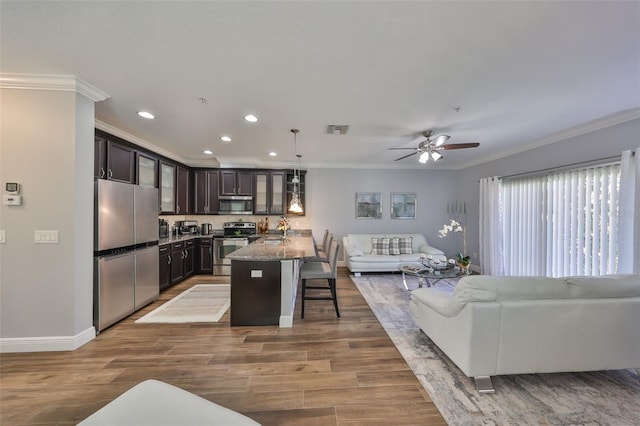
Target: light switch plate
(3, 237)
(45, 237)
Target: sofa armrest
(441, 302)
(349, 249)
(427, 249)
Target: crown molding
(62, 83)
(579, 130)
(139, 141)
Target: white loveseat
(359, 256)
(521, 325)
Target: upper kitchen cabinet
(174, 189)
(236, 182)
(147, 170)
(114, 161)
(167, 188)
(269, 192)
(205, 191)
(182, 191)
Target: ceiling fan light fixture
(424, 157)
(436, 155)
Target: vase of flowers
(284, 226)
(462, 259)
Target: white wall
(331, 202)
(46, 144)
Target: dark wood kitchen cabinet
(205, 256)
(114, 161)
(165, 266)
(174, 189)
(189, 260)
(182, 190)
(146, 170)
(177, 262)
(205, 191)
(236, 182)
(269, 192)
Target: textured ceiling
(521, 73)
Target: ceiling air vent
(340, 129)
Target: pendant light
(296, 204)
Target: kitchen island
(264, 279)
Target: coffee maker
(188, 227)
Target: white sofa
(521, 325)
(359, 258)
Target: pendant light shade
(296, 203)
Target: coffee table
(426, 275)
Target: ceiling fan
(432, 146)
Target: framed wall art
(368, 205)
(403, 205)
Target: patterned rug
(200, 303)
(591, 398)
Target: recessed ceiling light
(208, 151)
(225, 138)
(146, 114)
(273, 154)
(251, 118)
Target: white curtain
(565, 223)
(629, 224)
(491, 259)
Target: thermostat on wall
(12, 200)
(12, 187)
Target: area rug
(200, 303)
(590, 398)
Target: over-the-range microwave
(235, 204)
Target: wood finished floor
(323, 371)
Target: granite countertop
(177, 238)
(297, 246)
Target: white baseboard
(286, 321)
(47, 344)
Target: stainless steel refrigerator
(126, 265)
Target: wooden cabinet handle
(169, 262)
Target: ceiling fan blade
(401, 148)
(409, 155)
(459, 145)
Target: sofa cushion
(380, 246)
(621, 285)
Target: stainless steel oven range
(236, 235)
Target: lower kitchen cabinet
(177, 262)
(189, 260)
(165, 266)
(205, 256)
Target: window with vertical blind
(563, 223)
